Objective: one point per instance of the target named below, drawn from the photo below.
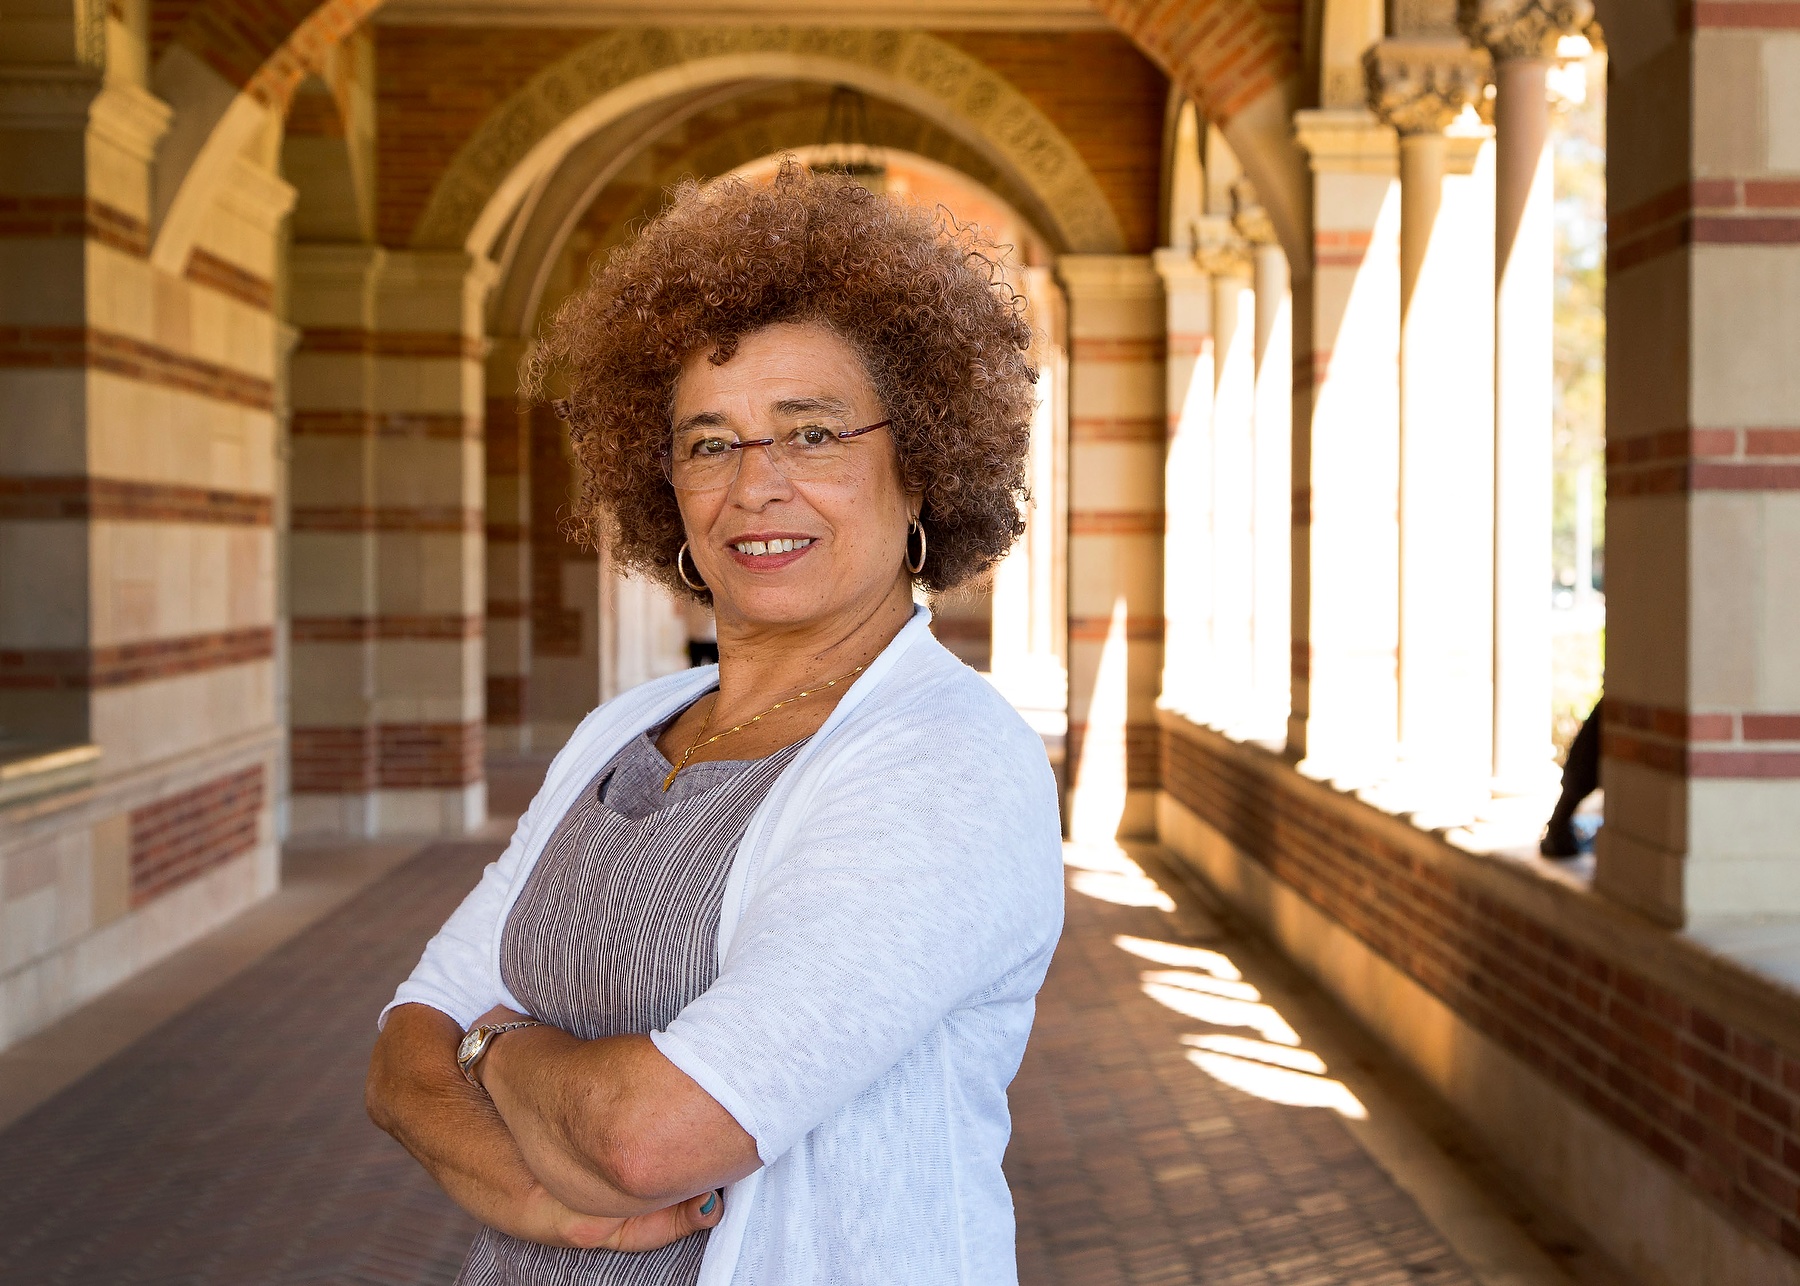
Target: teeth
(754, 547)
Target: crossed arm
(601, 1143)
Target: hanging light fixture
(846, 146)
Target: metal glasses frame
(845, 436)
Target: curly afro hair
(943, 337)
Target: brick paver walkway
(229, 1147)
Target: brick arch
(764, 121)
(625, 70)
(228, 62)
(1242, 67)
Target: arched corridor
(1404, 369)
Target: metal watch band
(488, 1035)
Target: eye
(813, 436)
(704, 448)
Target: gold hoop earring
(915, 567)
(681, 571)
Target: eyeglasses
(704, 459)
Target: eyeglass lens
(707, 457)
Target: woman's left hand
(564, 1227)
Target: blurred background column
(1117, 429)
(1522, 36)
(1345, 693)
(1422, 84)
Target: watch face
(471, 1045)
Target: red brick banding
(506, 699)
(1147, 351)
(75, 668)
(332, 761)
(392, 756)
(1739, 15)
(179, 838)
(206, 269)
(1680, 461)
(415, 518)
(1097, 629)
(391, 343)
(1341, 247)
(363, 629)
(1127, 522)
(65, 347)
(1119, 428)
(383, 424)
(34, 499)
(56, 217)
(1701, 745)
(1716, 211)
(1716, 1102)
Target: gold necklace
(786, 701)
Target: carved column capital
(1420, 85)
(1248, 216)
(1219, 248)
(1522, 28)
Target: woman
(741, 1000)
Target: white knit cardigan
(887, 921)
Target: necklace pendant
(670, 779)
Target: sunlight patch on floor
(1104, 873)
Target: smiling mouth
(762, 548)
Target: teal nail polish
(706, 1207)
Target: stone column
(1446, 425)
(1271, 524)
(1187, 543)
(1030, 613)
(1521, 35)
(1344, 694)
(387, 546)
(429, 349)
(332, 595)
(1702, 740)
(1117, 429)
(1226, 257)
(139, 730)
(508, 564)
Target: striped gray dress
(615, 931)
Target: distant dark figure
(1581, 778)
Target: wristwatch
(478, 1041)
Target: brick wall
(389, 756)
(1100, 91)
(1715, 1100)
(183, 836)
(434, 87)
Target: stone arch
(528, 136)
(765, 121)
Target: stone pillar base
(446, 811)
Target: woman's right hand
(548, 1221)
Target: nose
(759, 480)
